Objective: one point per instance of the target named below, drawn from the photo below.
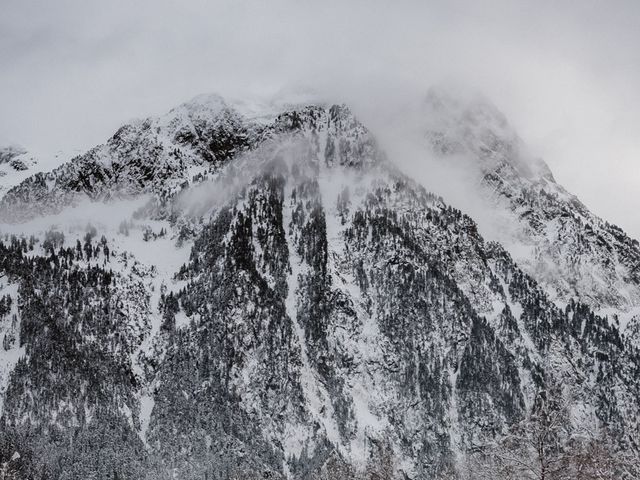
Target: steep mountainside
(332, 319)
(553, 236)
(163, 155)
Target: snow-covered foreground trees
(548, 445)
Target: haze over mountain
(565, 75)
(237, 290)
(381, 241)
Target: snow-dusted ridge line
(348, 322)
(550, 233)
(164, 155)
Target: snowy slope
(18, 164)
(550, 233)
(235, 290)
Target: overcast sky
(566, 74)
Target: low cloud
(564, 73)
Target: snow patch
(9, 329)
(147, 403)
(315, 394)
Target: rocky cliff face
(310, 312)
(164, 155)
(552, 235)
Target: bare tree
(547, 446)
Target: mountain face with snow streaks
(312, 312)
(555, 238)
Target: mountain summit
(266, 295)
(553, 236)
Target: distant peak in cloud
(460, 121)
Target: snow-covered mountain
(164, 155)
(18, 163)
(551, 234)
(233, 292)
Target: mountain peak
(551, 234)
(191, 142)
(309, 312)
(201, 108)
(469, 124)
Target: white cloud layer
(564, 73)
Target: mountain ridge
(324, 316)
(551, 233)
